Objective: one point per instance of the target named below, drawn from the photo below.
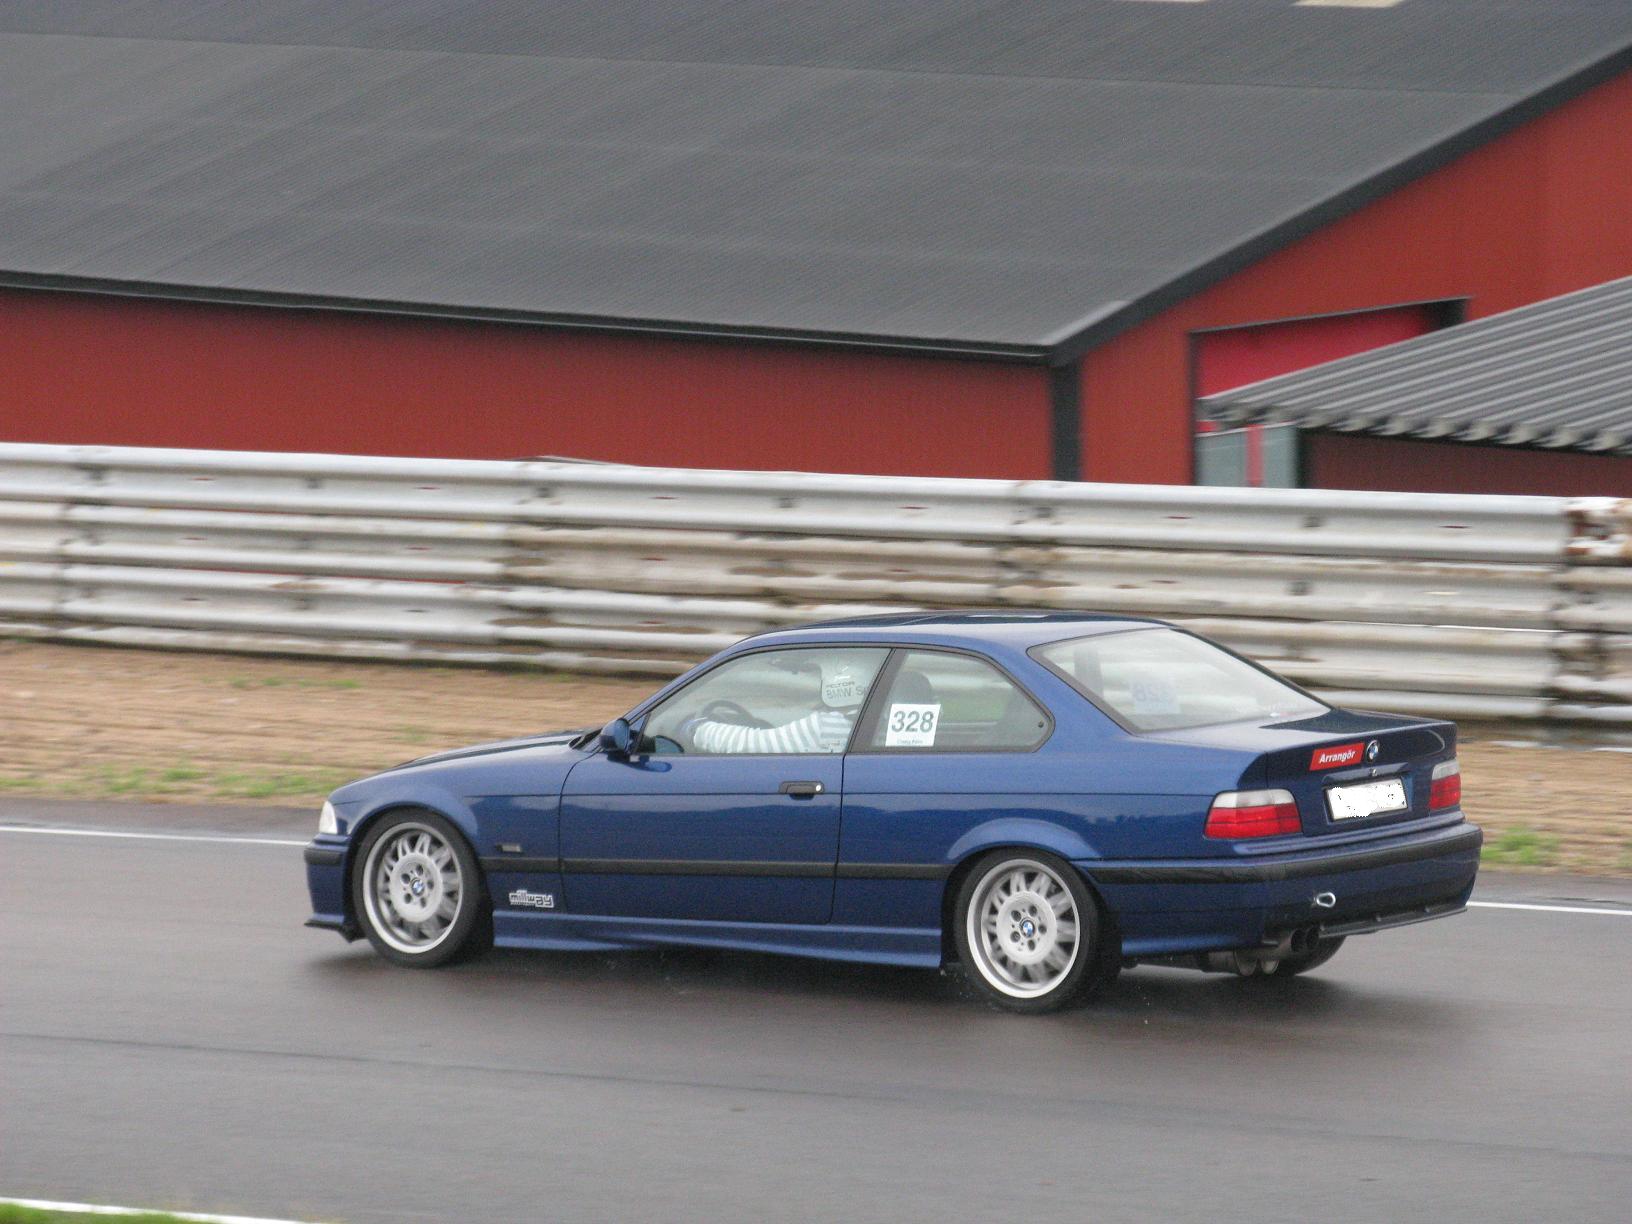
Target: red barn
(945, 237)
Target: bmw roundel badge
(1373, 749)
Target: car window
(941, 702)
(1162, 680)
(773, 701)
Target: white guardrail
(1456, 605)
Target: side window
(954, 703)
(773, 701)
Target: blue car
(1041, 799)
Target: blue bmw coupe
(1042, 799)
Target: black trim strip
(894, 871)
(1456, 841)
(768, 868)
(319, 856)
(520, 862)
(691, 867)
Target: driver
(825, 729)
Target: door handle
(802, 790)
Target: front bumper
(325, 858)
(1192, 905)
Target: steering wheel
(722, 709)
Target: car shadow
(649, 978)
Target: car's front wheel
(417, 888)
(1028, 931)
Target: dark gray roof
(999, 177)
(1554, 374)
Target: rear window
(1162, 680)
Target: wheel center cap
(1028, 928)
(418, 886)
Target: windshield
(1163, 680)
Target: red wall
(140, 372)
(1544, 210)
(1357, 461)
(1237, 356)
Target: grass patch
(1522, 847)
(186, 781)
(10, 1213)
(277, 785)
(141, 780)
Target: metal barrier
(1466, 606)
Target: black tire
(1312, 959)
(437, 853)
(1088, 965)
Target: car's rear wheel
(418, 890)
(1028, 931)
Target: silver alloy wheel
(1023, 928)
(412, 888)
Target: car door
(950, 745)
(729, 811)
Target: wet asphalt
(171, 1036)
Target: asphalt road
(171, 1036)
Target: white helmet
(842, 687)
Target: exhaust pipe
(1244, 962)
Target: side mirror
(618, 738)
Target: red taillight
(1265, 813)
(1445, 790)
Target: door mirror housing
(618, 738)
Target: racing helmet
(844, 685)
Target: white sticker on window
(911, 726)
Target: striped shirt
(819, 731)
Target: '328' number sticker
(911, 726)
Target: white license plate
(1366, 799)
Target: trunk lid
(1351, 751)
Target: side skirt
(913, 947)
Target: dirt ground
(95, 723)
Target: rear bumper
(1198, 906)
(1394, 918)
(1299, 865)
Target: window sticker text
(911, 726)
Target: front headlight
(327, 821)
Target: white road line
(98, 1209)
(1550, 909)
(174, 837)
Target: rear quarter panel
(1114, 797)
